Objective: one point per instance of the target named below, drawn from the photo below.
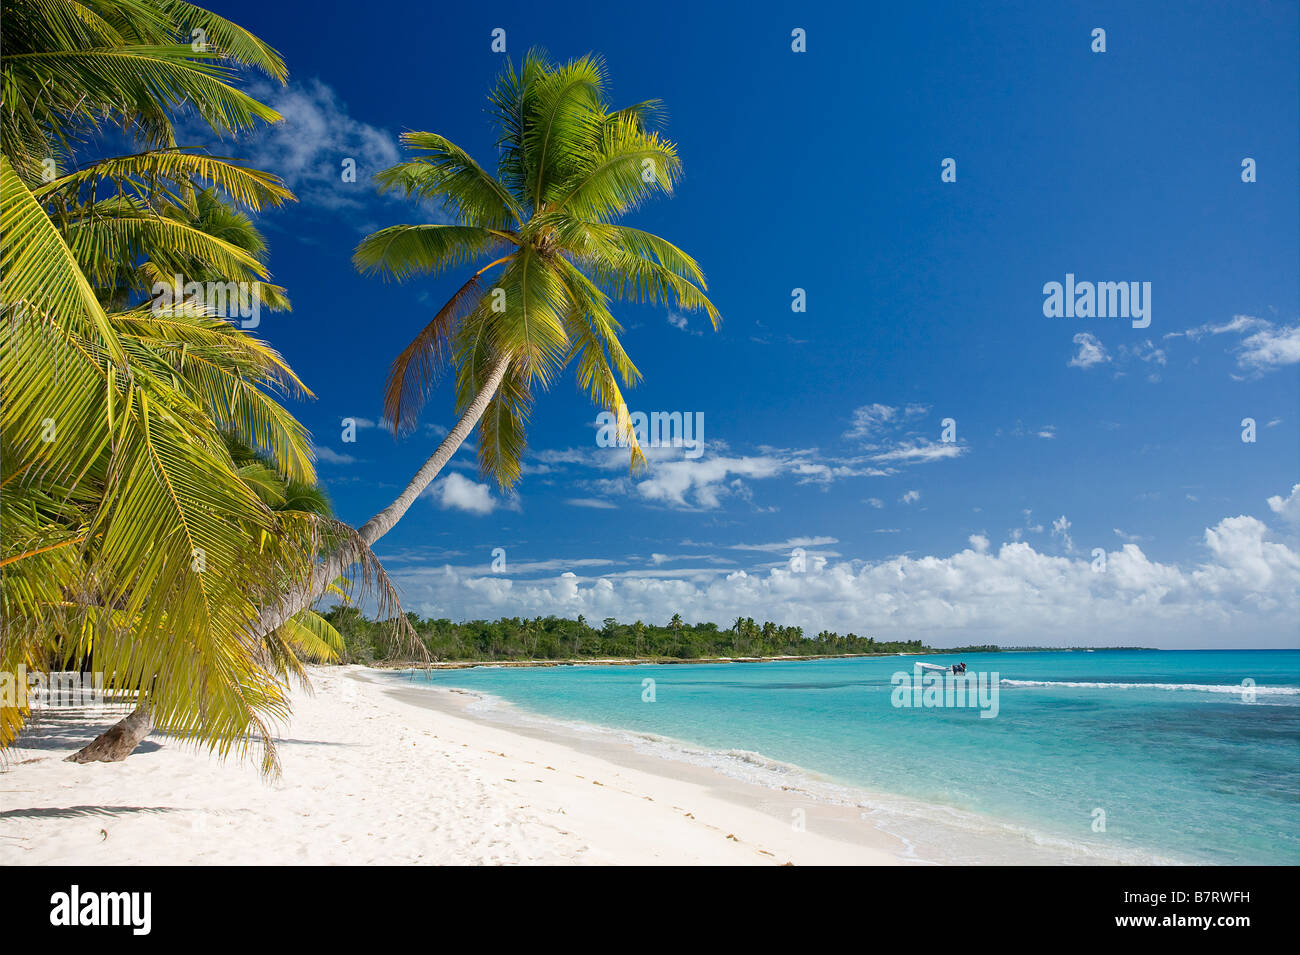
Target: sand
(378, 774)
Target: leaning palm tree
(569, 167)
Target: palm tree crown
(569, 166)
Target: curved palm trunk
(306, 594)
(119, 741)
(115, 739)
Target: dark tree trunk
(119, 741)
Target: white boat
(957, 668)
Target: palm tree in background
(569, 166)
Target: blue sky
(821, 170)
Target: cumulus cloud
(704, 482)
(1091, 351)
(1269, 349)
(457, 492)
(1287, 508)
(1245, 591)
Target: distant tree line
(557, 638)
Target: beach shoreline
(381, 774)
(914, 831)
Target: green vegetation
(556, 638)
(156, 493)
(522, 639)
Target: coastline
(691, 661)
(378, 769)
(371, 776)
(914, 832)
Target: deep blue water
(1183, 764)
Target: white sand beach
(372, 776)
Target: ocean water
(1163, 748)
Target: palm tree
(569, 166)
(131, 535)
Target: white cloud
(704, 482)
(1244, 592)
(1091, 351)
(878, 427)
(910, 497)
(1240, 324)
(681, 482)
(457, 492)
(870, 420)
(787, 545)
(920, 451)
(1270, 348)
(1265, 347)
(1287, 508)
(1061, 529)
(324, 453)
(593, 502)
(1144, 351)
(682, 323)
(308, 148)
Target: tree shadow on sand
(73, 812)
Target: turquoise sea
(1165, 748)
